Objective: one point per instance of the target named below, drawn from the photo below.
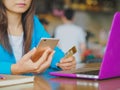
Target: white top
(70, 35)
(16, 43)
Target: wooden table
(47, 82)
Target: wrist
(15, 69)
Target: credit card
(71, 52)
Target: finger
(59, 65)
(44, 57)
(67, 66)
(49, 59)
(46, 64)
(29, 54)
(65, 60)
(72, 66)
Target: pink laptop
(110, 66)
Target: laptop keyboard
(95, 72)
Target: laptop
(110, 66)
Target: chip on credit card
(71, 52)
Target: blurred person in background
(71, 35)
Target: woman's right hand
(26, 65)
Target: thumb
(30, 53)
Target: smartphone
(70, 52)
(44, 42)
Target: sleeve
(5, 67)
(40, 32)
(6, 60)
(56, 58)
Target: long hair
(27, 22)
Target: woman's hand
(67, 63)
(26, 65)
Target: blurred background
(94, 16)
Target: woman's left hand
(67, 63)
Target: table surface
(47, 82)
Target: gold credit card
(70, 52)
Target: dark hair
(69, 13)
(44, 21)
(27, 22)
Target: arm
(33, 67)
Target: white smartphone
(44, 42)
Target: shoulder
(37, 22)
(60, 27)
(38, 29)
(80, 29)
